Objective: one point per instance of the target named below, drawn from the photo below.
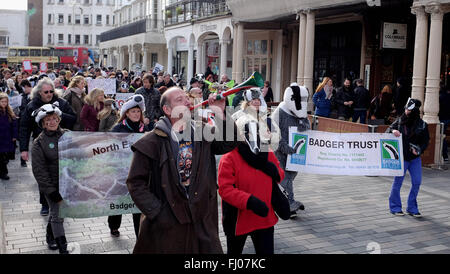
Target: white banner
(107, 85)
(318, 152)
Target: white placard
(394, 35)
(15, 101)
(158, 67)
(108, 85)
(358, 154)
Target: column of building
(431, 106)
(223, 55)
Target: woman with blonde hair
(74, 95)
(322, 97)
(94, 103)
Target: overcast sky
(13, 4)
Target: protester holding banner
(246, 177)
(292, 112)
(108, 115)
(42, 93)
(152, 98)
(94, 103)
(46, 172)
(74, 95)
(8, 134)
(131, 121)
(415, 138)
(322, 97)
(172, 179)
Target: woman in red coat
(94, 104)
(246, 177)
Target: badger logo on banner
(390, 154)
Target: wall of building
(13, 30)
(56, 24)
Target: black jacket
(44, 163)
(416, 134)
(344, 95)
(28, 126)
(362, 98)
(127, 126)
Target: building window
(97, 40)
(107, 19)
(60, 38)
(99, 19)
(4, 41)
(99, 2)
(77, 19)
(77, 39)
(60, 18)
(69, 38)
(86, 2)
(49, 39)
(258, 58)
(60, 1)
(86, 19)
(69, 19)
(154, 59)
(50, 18)
(86, 39)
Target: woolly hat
(255, 93)
(45, 110)
(136, 100)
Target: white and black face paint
(252, 136)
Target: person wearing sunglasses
(43, 93)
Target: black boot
(51, 243)
(62, 245)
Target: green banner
(93, 168)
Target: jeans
(395, 202)
(287, 184)
(262, 241)
(54, 220)
(361, 114)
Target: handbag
(280, 202)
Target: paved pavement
(343, 215)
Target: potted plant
(179, 10)
(169, 13)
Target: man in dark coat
(43, 93)
(344, 100)
(173, 179)
(361, 102)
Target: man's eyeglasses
(48, 91)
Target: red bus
(77, 56)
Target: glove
(257, 206)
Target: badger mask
(295, 100)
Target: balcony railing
(186, 11)
(142, 26)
